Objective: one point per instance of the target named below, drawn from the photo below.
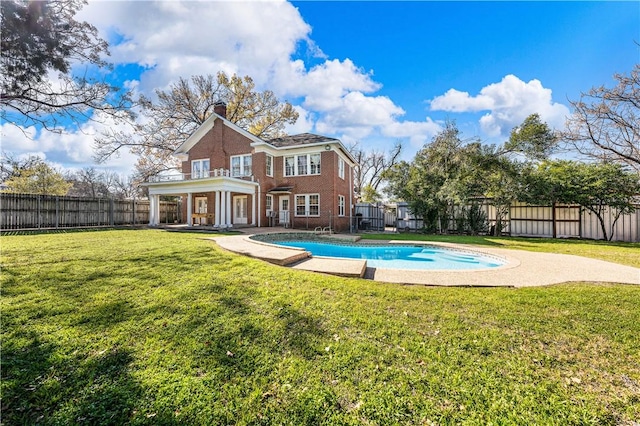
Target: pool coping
(524, 268)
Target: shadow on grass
(42, 384)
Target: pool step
(354, 268)
(278, 255)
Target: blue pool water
(400, 257)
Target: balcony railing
(176, 177)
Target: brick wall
(222, 142)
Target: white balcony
(205, 174)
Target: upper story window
(300, 165)
(199, 169)
(269, 165)
(340, 168)
(241, 165)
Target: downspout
(350, 198)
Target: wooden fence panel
(29, 211)
(571, 221)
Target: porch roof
(280, 190)
(210, 184)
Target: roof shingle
(301, 139)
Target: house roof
(299, 140)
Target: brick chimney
(220, 108)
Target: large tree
(368, 174)
(600, 188)
(450, 172)
(605, 124)
(170, 119)
(38, 178)
(41, 43)
(438, 178)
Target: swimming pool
(399, 256)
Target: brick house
(232, 178)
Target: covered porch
(229, 196)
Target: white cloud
(418, 132)
(509, 102)
(304, 124)
(69, 150)
(186, 38)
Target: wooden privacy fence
(30, 211)
(560, 221)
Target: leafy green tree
(450, 172)
(40, 178)
(439, 177)
(370, 195)
(179, 111)
(594, 186)
(42, 37)
(533, 138)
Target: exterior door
(200, 213)
(240, 210)
(283, 218)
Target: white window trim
(296, 171)
(341, 205)
(203, 173)
(243, 172)
(307, 206)
(269, 165)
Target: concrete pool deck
(524, 268)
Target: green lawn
(152, 327)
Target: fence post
(57, 211)
(39, 214)
(554, 233)
(580, 221)
(111, 211)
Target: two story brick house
(232, 178)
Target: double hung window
(241, 165)
(340, 205)
(308, 205)
(301, 165)
(200, 169)
(340, 168)
(269, 165)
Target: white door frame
(240, 211)
(284, 209)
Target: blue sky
(367, 72)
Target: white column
(228, 209)
(156, 209)
(223, 208)
(151, 204)
(253, 209)
(216, 222)
(189, 209)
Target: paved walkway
(524, 268)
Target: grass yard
(152, 327)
